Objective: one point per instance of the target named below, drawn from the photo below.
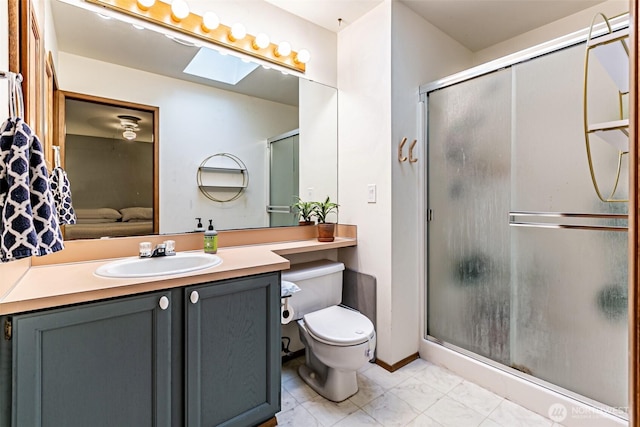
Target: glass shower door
(469, 294)
(543, 299)
(284, 178)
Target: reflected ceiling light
(175, 16)
(303, 56)
(283, 49)
(261, 41)
(238, 32)
(179, 10)
(129, 135)
(145, 4)
(130, 125)
(210, 21)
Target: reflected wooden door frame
(59, 132)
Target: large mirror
(200, 117)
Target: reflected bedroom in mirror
(114, 77)
(109, 158)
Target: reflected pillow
(98, 213)
(96, 221)
(138, 213)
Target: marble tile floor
(420, 394)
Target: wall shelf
(222, 170)
(215, 177)
(612, 52)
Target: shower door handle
(513, 222)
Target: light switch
(310, 193)
(371, 193)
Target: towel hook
(411, 147)
(56, 155)
(400, 157)
(16, 101)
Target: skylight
(209, 64)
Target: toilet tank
(320, 285)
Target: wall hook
(400, 157)
(411, 158)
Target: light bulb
(283, 49)
(129, 135)
(146, 4)
(179, 10)
(238, 32)
(303, 56)
(261, 41)
(210, 21)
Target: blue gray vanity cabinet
(200, 356)
(233, 352)
(97, 364)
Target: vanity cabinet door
(233, 352)
(99, 364)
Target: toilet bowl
(338, 339)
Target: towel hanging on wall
(61, 189)
(28, 223)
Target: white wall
(4, 59)
(435, 55)
(318, 115)
(195, 122)
(559, 28)
(378, 85)
(364, 129)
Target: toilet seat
(339, 326)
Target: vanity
(193, 349)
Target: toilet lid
(339, 326)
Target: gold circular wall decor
(236, 189)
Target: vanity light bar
(160, 13)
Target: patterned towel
(28, 224)
(61, 190)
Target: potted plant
(326, 229)
(305, 211)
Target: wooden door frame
(634, 219)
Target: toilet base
(337, 386)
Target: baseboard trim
(269, 423)
(397, 365)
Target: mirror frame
(60, 132)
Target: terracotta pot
(306, 223)
(326, 231)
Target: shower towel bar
(515, 223)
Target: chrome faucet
(167, 248)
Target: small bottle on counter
(210, 239)
(199, 226)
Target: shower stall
(527, 267)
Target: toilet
(339, 340)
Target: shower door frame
(573, 39)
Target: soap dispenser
(210, 239)
(199, 227)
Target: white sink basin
(179, 263)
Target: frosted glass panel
(469, 168)
(569, 301)
(549, 302)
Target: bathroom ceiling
(476, 24)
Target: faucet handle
(169, 247)
(144, 249)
